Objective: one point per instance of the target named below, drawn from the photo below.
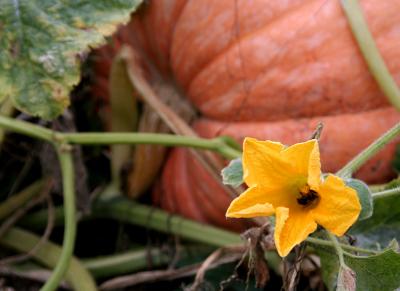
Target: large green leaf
(42, 42)
(373, 273)
(382, 226)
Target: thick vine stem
(125, 210)
(369, 152)
(67, 170)
(138, 259)
(48, 255)
(370, 51)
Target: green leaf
(379, 272)
(364, 195)
(373, 273)
(233, 173)
(42, 42)
(382, 226)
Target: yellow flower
(287, 182)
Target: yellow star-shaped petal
(286, 181)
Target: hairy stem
(369, 152)
(338, 248)
(386, 193)
(322, 242)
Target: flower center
(307, 196)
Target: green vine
(48, 254)
(369, 152)
(67, 169)
(128, 211)
(370, 51)
(218, 144)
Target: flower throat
(307, 196)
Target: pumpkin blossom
(287, 182)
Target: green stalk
(26, 128)
(38, 219)
(370, 51)
(67, 171)
(215, 144)
(6, 109)
(107, 138)
(14, 202)
(127, 262)
(139, 259)
(124, 210)
(369, 152)
(48, 254)
(386, 193)
(339, 250)
(327, 243)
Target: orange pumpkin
(272, 70)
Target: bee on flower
(287, 182)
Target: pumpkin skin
(276, 60)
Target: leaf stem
(338, 248)
(368, 152)
(370, 51)
(67, 171)
(386, 193)
(327, 243)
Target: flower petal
(292, 227)
(338, 207)
(305, 161)
(263, 163)
(250, 203)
